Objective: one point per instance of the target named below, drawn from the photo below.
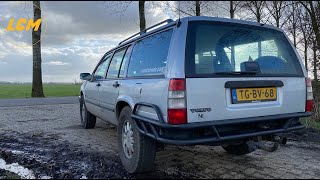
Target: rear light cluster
(309, 101)
(177, 112)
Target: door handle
(98, 84)
(116, 84)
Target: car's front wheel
(88, 120)
(137, 152)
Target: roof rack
(145, 30)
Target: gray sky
(75, 35)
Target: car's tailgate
(208, 99)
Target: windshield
(224, 48)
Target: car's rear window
(223, 49)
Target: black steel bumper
(215, 132)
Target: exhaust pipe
(273, 143)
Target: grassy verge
(311, 123)
(50, 90)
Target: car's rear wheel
(137, 152)
(88, 120)
(241, 148)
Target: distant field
(50, 90)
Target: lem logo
(23, 24)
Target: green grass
(50, 90)
(311, 123)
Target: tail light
(309, 101)
(177, 112)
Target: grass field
(50, 90)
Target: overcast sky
(75, 35)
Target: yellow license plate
(247, 95)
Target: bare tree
(313, 8)
(194, 8)
(142, 17)
(37, 88)
(120, 7)
(306, 31)
(197, 8)
(293, 17)
(315, 60)
(256, 8)
(233, 7)
(276, 10)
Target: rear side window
(124, 62)
(224, 49)
(115, 64)
(149, 56)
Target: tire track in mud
(47, 156)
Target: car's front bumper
(217, 131)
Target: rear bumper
(217, 132)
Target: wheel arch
(122, 102)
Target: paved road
(60, 123)
(38, 101)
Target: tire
(88, 120)
(141, 159)
(240, 149)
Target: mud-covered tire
(144, 148)
(240, 149)
(88, 120)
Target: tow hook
(272, 144)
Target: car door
(109, 89)
(92, 87)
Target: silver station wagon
(198, 81)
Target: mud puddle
(47, 156)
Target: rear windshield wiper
(236, 72)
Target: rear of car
(230, 81)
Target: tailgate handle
(248, 84)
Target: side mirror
(85, 76)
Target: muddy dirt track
(49, 140)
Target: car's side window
(149, 55)
(124, 61)
(115, 64)
(101, 70)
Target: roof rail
(145, 30)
